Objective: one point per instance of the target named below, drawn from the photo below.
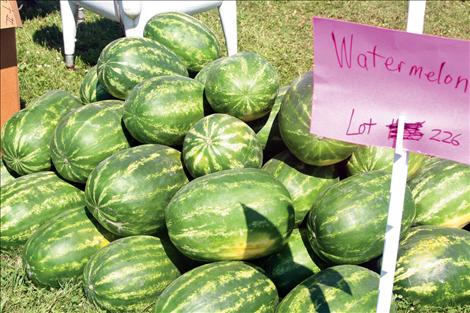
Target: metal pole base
(69, 61)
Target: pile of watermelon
(184, 181)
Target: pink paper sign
(365, 77)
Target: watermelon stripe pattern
(442, 194)
(433, 266)
(30, 201)
(221, 216)
(91, 90)
(204, 72)
(187, 37)
(27, 134)
(129, 274)
(220, 142)
(87, 136)
(128, 192)
(60, 249)
(126, 62)
(231, 287)
(5, 176)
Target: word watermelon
(91, 90)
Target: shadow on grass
(30, 9)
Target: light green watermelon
(294, 126)
(347, 224)
(91, 90)
(236, 214)
(129, 274)
(128, 192)
(220, 142)
(128, 61)
(187, 37)
(5, 175)
(26, 136)
(304, 182)
(30, 201)
(441, 191)
(87, 136)
(163, 109)
(204, 72)
(219, 287)
(244, 85)
(433, 267)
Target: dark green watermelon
(442, 194)
(91, 90)
(433, 267)
(244, 85)
(187, 37)
(220, 142)
(236, 214)
(30, 201)
(128, 192)
(87, 136)
(129, 274)
(5, 175)
(126, 62)
(59, 250)
(347, 224)
(338, 289)
(26, 136)
(162, 110)
(294, 126)
(219, 287)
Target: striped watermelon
(58, 251)
(370, 158)
(126, 62)
(187, 37)
(128, 192)
(220, 142)
(32, 200)
(292, 264)
(236, 214)
(5, 175)
(338, 289)
(433, 266)
(231, 286)
(304, 182)
(243, 85)
(204, 72)
(347, 224)
(442, 194)
(91, 90)
(294, 126)
(87, 136)
(26, 136)
(129, 274)
(163, 109)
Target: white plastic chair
(134, 15)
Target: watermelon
(292, 264)
(304, 182)
(128, 192)
(128, 274)
(433, 266)
(294, 126)
(338, 289)
(59, 250)
(371, 158)
(26, 136)
(91, 90)
(220, 142)
(347, 224)
(229, 286)
(192, 41)
(442, 194)
(87, 136)
(5, 175)
(204, 72)
(234, 214)
(30, 201)
(162, 110)
(244, 85)
(126, 62)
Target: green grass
(280, 31)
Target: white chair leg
(68, 12)
(228, 17)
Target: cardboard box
(9, 90)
